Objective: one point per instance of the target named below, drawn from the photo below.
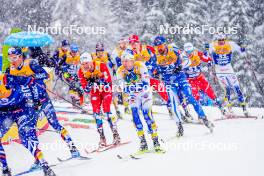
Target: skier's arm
(185, 61)
(120, 80)
(144, 75)
(236, 47)
(39, 72)
(114, 56)
(203, 57)
(11, 80)
(106, 74)
(81, 78)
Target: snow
(235, 148)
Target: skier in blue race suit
(170, 66)
(29, 68)
(16, 107)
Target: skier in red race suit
(195, 75)
(96, 79)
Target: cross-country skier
(170, 66)
(29, 68)
(16, 107)
(195, 76)
(118, 51)
(96, 80)
(69, 69)
(146, 54)
(61, 53)
(135, 80)
(103, 56)
(118, 96)
(222, 51)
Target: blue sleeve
(110, 64)
(152, 62)
(12, 80)
(179, 60)
(56, 56)
(40, 73)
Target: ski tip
(119, 157)
(134, 157)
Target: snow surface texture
(235, 148)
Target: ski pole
(254, 74)
(63, 98)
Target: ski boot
(47, 170)
(229, 107)
(170, 113)
(6, 171)
(74, 151)
(184, 118)
(118, 114)
(244, 108)
(187, 114)
(220, 106)
(157, 147)
(208, 124)
(180, 130)
(102, 142)
(127, 110)
(223, 111)
(36, 165)
(116, 137)
(143, 144)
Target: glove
(209, 64)
(37, 105)
(92, 80)
(206, 46)
(88, 88)
(242, 46)
(178, 69)
(48, 54)
(205, 52)
(66, 75)
(114, 72)
(64, 57)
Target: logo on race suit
(4, 100)
(94, 98)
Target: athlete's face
(128, 64)
(90, 66)
(123, 45)
(65, 48)
(99, 53)
(135, 46)
(161, 48)
(221, 42)
(73, 53)
(16, 60)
